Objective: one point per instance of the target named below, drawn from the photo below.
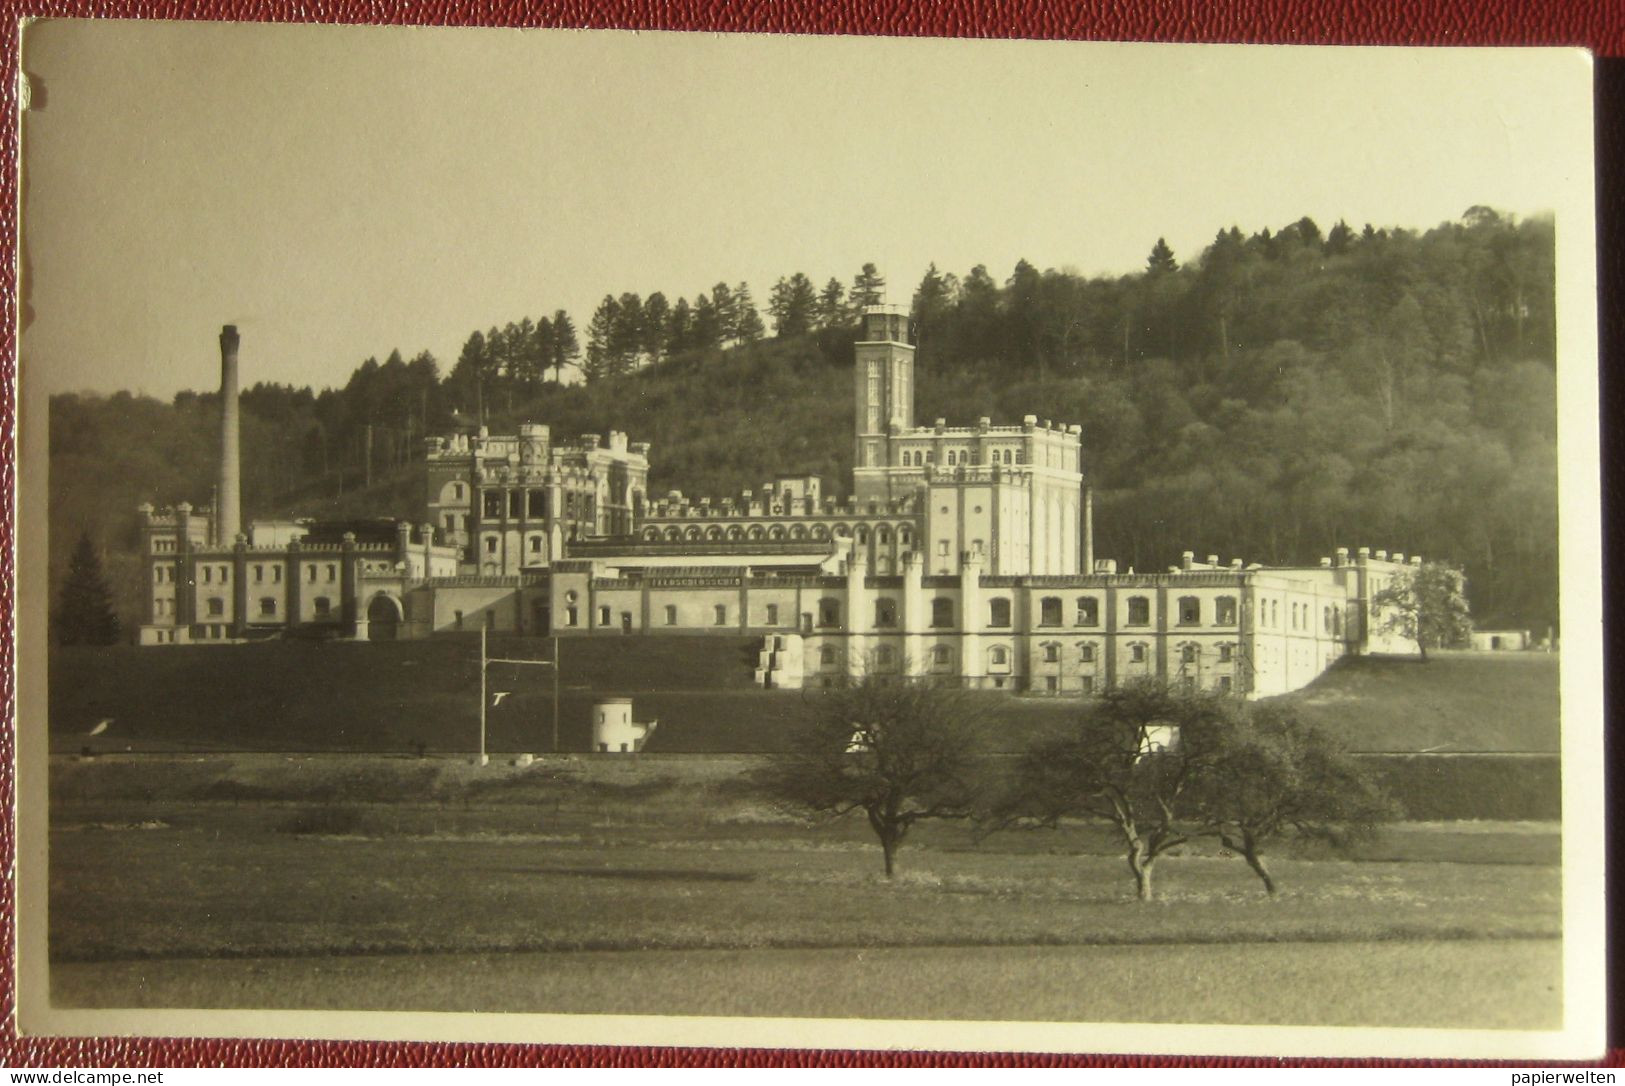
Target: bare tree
(1132, 760)
(1272, 776)
(900, 750)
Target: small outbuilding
(1500, 640)
(613, 729)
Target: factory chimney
(227, 507)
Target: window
(1051, 684)
(268, 605)
(1224, 611)
(217, 607)
(259, 574)
(536, 503)
(324, 606)
(276, 574)
(1136, 652)
(536, 544)
(721, 611)
(490, 544)
(772, 614)
(225, 574)
(998, 612)
(1086, 653)
(829, 612)
(1049, 611)
(1052, 653)
(493, 504)
(942, 658)
(826, 656)
(885, 613)
(942, 612)
(999, 656)
(671, 614)
(884, 656)
(1226, 653)
(603, 616)
(942, 548)
(1088, 611)
(1139, 611)
(1187, 653)
(208, 574)
(1087, 684)
(158, 575)
(1326, 619)
(457, 492)
(1224, 683)
(1190, 610)
(332, 573)
(457, 617)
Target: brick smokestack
(228, 507)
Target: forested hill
(1275, 396)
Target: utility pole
(487, 661)
(483, 757)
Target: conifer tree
(1161, 259)
(85, 608)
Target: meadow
(666, 885)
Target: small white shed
(613, 729)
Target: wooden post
(482, 695)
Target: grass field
(1449, 985)
(406, 696)
(224, 880)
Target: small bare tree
(1273, 775)
(1133, 760)
(901, 750)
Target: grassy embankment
(291, 696)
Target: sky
(339, 192)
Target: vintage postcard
(811, 542)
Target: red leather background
(1595, 24)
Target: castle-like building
(964, 553)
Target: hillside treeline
(1271, 397)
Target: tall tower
(227, 504)
(883, 381)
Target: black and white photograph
(729, 540)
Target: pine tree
(793, 306)
(868, 287)
(1161, 259)
(832, 311)
(566, 347)
(747, 326)
(85, 608)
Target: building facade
(965, 553)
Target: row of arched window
(774, 532)
(918, 458)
